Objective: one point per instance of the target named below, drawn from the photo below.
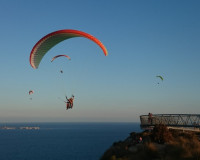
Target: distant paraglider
(61, 71)
(60, 56)
(52, 39)
(30, 93)
(160, 77)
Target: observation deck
(190, 121)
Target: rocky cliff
(160, 143)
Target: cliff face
(160, 143)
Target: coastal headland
(22, 128)
(160, 143)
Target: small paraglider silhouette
(160, 77)
(30, 93)
(60, 56)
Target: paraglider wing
(30, 92)
(60, 56)
(52, 39)
(160, 77)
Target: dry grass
(186, 146)
(161, 134)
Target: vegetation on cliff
(160, 143)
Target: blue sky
(144, 38)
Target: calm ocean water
(62, 141)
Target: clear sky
(144, 38)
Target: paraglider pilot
(69, 103)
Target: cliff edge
(159, 143)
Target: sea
(61, 141)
